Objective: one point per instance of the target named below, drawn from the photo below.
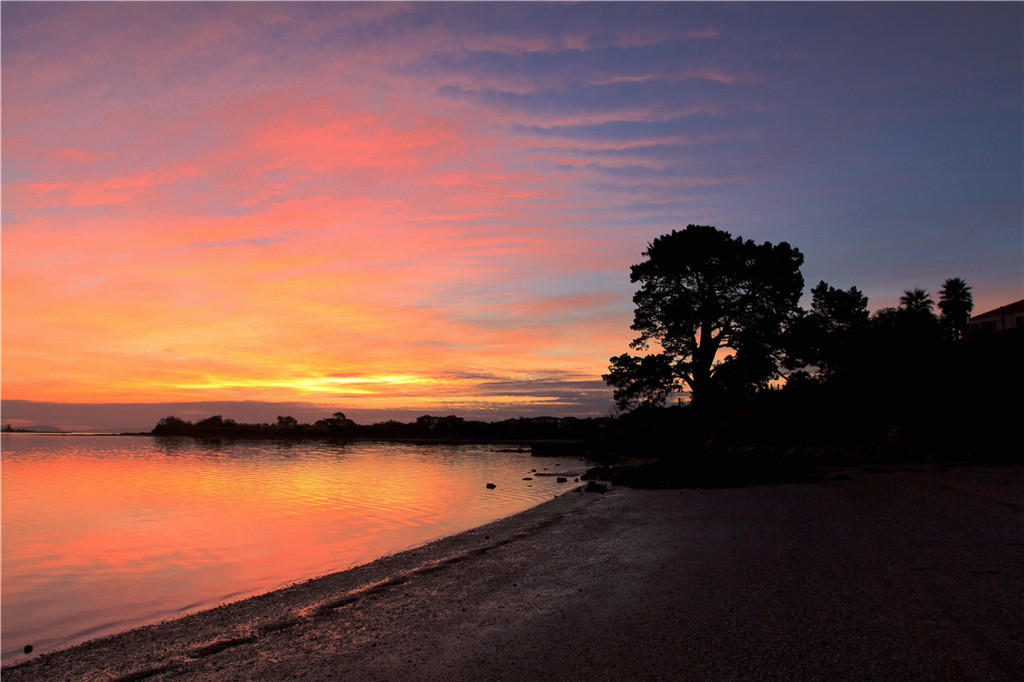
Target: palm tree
(917, 301)
(916, 324)
(956, 304)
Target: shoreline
(276, 609)
(163, 547)
(904, 573)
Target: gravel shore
(868, 574)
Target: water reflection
(105, 533)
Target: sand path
(899, 575)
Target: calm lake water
(105, 533)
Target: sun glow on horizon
(396, 390)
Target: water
(105, 533)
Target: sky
(431, 208)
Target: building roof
(1008, 309)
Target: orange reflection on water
(105, 533)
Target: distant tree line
(424, 428)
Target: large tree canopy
(701, 292)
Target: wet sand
(898, 574)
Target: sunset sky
(431, 208)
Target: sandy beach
(868, 574)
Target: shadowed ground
(881, 575)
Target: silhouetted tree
(287, 422)
(829, 336)
(886, 317)
(956, 304)
(702, 292)
(840, 311)
(917, 301)
(171, 426)
(439, 426)
(641, 381)
(912, 326)
(336, 425)
(215, 426)
(902, 356)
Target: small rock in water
(491, 486)
(28, 648)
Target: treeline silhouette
(429, 428)
(900, 386)
(772, 390)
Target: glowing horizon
(419, 206)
